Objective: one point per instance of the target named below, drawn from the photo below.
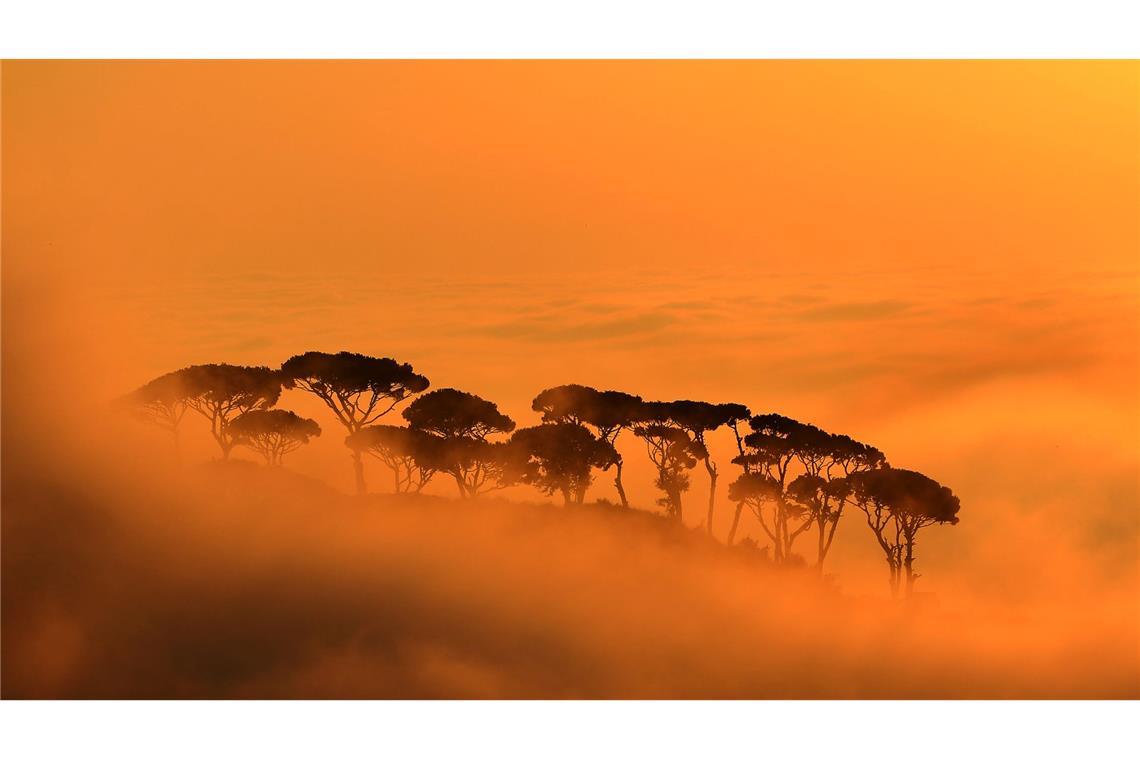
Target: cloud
(559, 330)
(854, 311)
(257, 583)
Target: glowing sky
(458, 168)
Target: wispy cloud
(565, 330)
(853, 311)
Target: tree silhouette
(754, 490)
(606, 412)
(770, 450)
(819, 490)
(463, 421)
(358, 389)
(816, 499)
(412, 455)
(161, 402)
(699, 418)
(897, 504)
(273, 433)
(223, 392)
(452, 413)
(671, 450)
(571, 403)
(477, 465)
(775, 445)
(803, 460)
(559, 458)
(795, 476)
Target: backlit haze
(937, 258)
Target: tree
(463, 422)
(358, 389)
(478, 465)
(770, 449)
(754, 490)
(571, 403)
(851, 456)
(559, 458)
(412, 455)
(734, 424)
(813, 497)
(783, 448)
(161, 402)
(223, 392)
(273, 433)
(897, 504)
(606, 412)
(819, 490)
(671, 451)
(699, 418)
(452, 413)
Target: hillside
(237, 580)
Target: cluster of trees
(795, 478)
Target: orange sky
(466, 167)
(937, 257)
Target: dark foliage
(273, 433)
(412, 455)
(790, 452)
(459, 424)
(223, 392)
(478, 465)
(452, 413)
(795, 476)
(607, 413)
(560, 457)
(358, 389)
(673, 453)
(897, 503)
(699, 418)
(162, 402)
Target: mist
(127, 573)
(233, 580)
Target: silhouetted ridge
(795, 478)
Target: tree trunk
(711, 468)
(826, 543)
(778, 531)
(735, 522)
(218, 430)
(822, 549)
(620, 487)
(358, 470)
(908, 563)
